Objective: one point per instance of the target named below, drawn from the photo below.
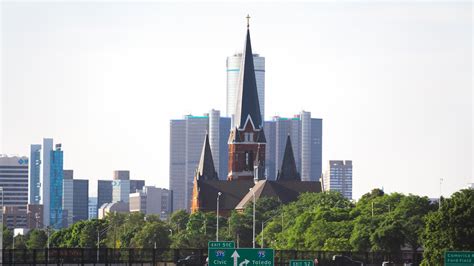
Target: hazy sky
(392, 82)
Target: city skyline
(393, 89)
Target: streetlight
(253, 235)
(217, 231)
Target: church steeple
(206, 169)
(247, 139)
(288, 169)
(248, 106)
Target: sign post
(458, 258)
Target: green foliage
(36, 239)
(449, 228)
(316, 221)
(20, 242)
(153, 234)
(7, 237)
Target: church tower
(247, 139)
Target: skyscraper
(45, 179)
(338, 177)
(234, 64)
(306, 137)
(104, 192)
(121, 186)
(14, 181)
(186, 137)
(56, 188)
(34, 174)
(80, 210)
(68, 197)
(136, 185)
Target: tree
(179, 220)
(449, 228)
(7, 237)
(36, 239)
(152, 234)
(20, 242)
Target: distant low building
(14, 217)
(120, 207)
(34, 214)
(92, 208)
(151, 200)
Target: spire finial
(248, 20)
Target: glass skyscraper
(104, 193)
(56, 188)
(34, 174)
(233, 71)
(306, 137)
(186, 139)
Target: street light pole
(217, 231)
(253, 235)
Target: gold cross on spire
(248, 20)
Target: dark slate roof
(285, 191)
(247, 97)
(288, 169)
(232, 193)
(206, 169)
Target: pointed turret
(206, 169)
(248, 106)
(288, 169)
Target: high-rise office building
(234, 64)
(186, 137)
(56, 188)
(338, 177)
(14, 181)
(136, 185)
(45, 179)
(121, 186)
(306, 137)
(104, 192)
(80, 209)
(68, 196)
(34, 174)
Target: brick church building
(246, 142)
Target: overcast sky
(391, 81)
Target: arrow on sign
(245, 262)
(236, 256)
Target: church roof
(285, 191)
(206, 169)
(247, 96)
(232, 193)
(288, 169)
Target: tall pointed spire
(248, 106)
(206, 169)
(288, 169)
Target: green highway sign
(459, 258)
(241, 257)
(221, 244)
(301, 263)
